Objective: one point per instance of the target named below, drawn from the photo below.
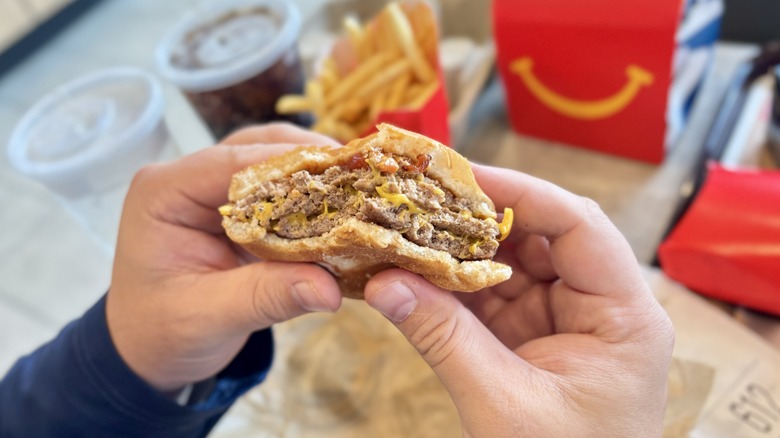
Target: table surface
(52, 271)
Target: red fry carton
(727, 246)
(429, 111)
(430, 120)
(593, 73)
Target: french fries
(405, 37)
(394, 69)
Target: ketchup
(423, 161)
(355, 162)
(420, 165)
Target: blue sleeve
(77, 385)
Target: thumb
(459, 348)
(259, 295)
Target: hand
(574, 344)
(183, 300)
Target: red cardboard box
(592, 73)
(430, 120)
(727, 246)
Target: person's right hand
(573, 345)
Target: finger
(529, 257)
(518, 282)
(205, 176)
(259, 295)
(455, 344)
(277, 133)
(188, 191)
(534, 253)
(516, 310)
(586, 250)
(524, 318)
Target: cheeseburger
(394, 198)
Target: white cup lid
(93, 127)
(223, 43)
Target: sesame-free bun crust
(354, 250)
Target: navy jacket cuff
(79, 385)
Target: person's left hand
(183, 300)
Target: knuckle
(146, 175)
(259, 133)
(590, 207)
(269, 305)
(436, 338)
(145, 182)
(665, 331)
(592, 212)
(232, 154)
(279, 127)
(235, 156)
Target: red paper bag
(727, 245)
(593, 73)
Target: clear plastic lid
(91, 133)
(223, 43)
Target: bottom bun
(355, 250)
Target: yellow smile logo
(578, 109)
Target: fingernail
(395, 300)
(305, 294)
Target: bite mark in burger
(392, 199)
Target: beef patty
(387, 190)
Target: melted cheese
(378, 178)
(297, 218)
(326, 209)
(360, 201)
(398, 199)
(263, 211)
(226, 210)
(475, 246)
(506, 224)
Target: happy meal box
(609, 75)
